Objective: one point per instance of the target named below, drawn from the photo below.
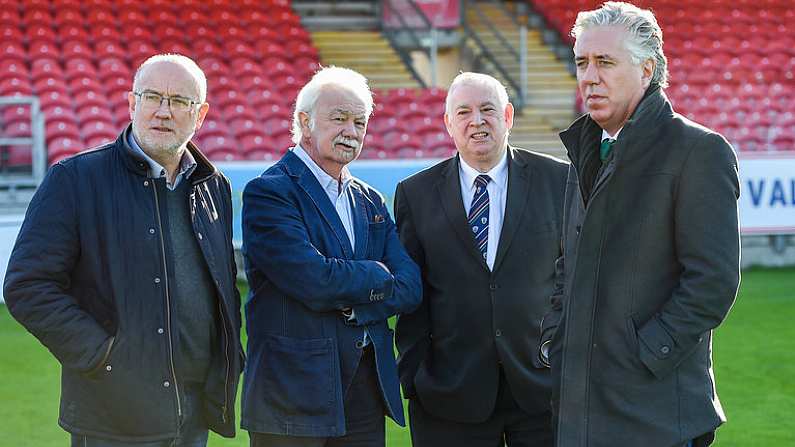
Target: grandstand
(66, 67)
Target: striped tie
(479, 214)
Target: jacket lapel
(307, 181)
(515, 204)
(360, 220)
(449, 190)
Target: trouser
(508, 424)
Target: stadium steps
(367, 52)
(550, 87)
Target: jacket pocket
(299, 376)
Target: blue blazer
(302, 273)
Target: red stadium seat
(50, 85)
(262, 155)
(214, 128)
(89, 99)
(16, 87)
(37, 17)
(12, 50)
(19, 129)
(61, 148)
(13, 69)
(45, 68)
(61, 129)
(71, 33)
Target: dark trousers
(508, 424)
(364, 415)
(192, 429)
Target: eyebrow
(467, 106)
(149, 90)
(347, 112)
(598, 57)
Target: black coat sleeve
(706, 231)
(413, 330)
(38, 279)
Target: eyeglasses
(153, 100)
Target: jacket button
(665, 350)
(166, 384)
(151, 231)
(146, 182)
(160, 330)
(492, 286)
(157, 280)
(108, 368)
(359, 344)
(498, 333)
(200, 236)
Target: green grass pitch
(753, 351)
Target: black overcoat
(650, 266)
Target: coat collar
(449, 189)
(638, 133)
(136, 163)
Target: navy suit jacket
(301, 273)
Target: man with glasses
(124, 269)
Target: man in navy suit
(326, 270)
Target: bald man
(124, 270)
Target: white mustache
(347, 141)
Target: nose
(164, 109)
(349, 130)
(477, 118)
(590, 75)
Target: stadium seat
(60, 148)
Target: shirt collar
(498, 173)
(329, 183)
(187, 164)
(610, 137)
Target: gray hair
(645, 36)
(336, 76)
(480, 79)
(183, 61)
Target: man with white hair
(124, 269)
(325, 269)
(484, 227)
(650, 261)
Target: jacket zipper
(168, 300)
(226, 356)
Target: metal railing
(13, 178)
(417, 28)
(477, 32)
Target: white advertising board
(767, 193)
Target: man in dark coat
(650, 261)
(484, 227)
(124, 269)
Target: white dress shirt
(340, 196)
(497, 189)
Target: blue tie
(479, 214)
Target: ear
(447, 124)
(509, 115)
(648, 71)
(203, 109)
(304, 119)
(131, 104)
